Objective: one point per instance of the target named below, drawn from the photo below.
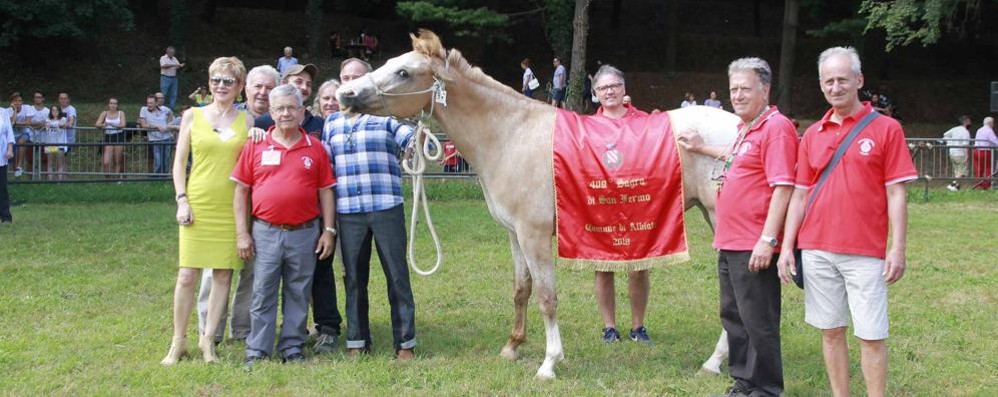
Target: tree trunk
(615, 14)
(672, 35)
(314, 18)
(788, 52)
(580, 28)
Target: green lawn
(87, 276)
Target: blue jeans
(161, 152)
(168, 84)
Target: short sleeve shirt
(849, 215)
(166, 61)
(26, 114)
(765, 158)
(6, 136)
(559, 77)
(285, 192)
(156, 119)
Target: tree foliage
(466, 18)
(53, 19)
(558, 15)
(920, 21)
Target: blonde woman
(215, 135)
(325, 101)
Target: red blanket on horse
(618, 188)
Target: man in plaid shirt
(364, 150)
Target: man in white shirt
(168, 66)
(157, 119)
(71, 118)
(558, 83)
(6, 153)
(20, 117)
(959, 137)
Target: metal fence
(91, 159)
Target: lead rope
(431, 150)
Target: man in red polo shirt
(755, 187)
(284, 172)
(843, 235)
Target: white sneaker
(953, 187)
(18, 172)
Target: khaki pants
(959, 165)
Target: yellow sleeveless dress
(210, 243)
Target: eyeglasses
(283, 109)
(225, 81)
(608, 87)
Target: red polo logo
(307, 161)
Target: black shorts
(118, 137)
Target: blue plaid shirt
(365, 156)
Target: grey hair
(608, 69)
(367, 66)
(285, 90)
(857, 66)
(757, 65)
(327, 84)
(989, 120)
(266, 71)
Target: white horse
(507, 139)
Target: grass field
(87, 276)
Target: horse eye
(403, 74)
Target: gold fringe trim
(624, 266)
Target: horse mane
(428, 43)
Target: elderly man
(959, 138)
(6, 153)
(985, 144)
(284, 172)
(610, 90)
(157, 120)
(364, 149)
(760, 165)
(286, 62)
(558, 83)
(259, 82)
(841, 219)
(300, 76)
(168, 67)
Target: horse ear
(427, 43)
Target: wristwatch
(331, 230)
(772, 241)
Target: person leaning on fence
(71, 119)
(843, 229)
(20, 118)
(959, 138)
(985, 144)
(748, 232)
(214, 136)
(364, 152)
(6, 154)
(259, 82)
(157, 120)
(55, 133)
(112, 120)
(285, 172)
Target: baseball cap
(311, 69)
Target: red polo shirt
(763, 160)
(285, 193)
(849, 215)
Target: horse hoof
(545, 375)
(705, 371)
(508, 353)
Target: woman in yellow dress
(215, 135)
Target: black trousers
(387, 230)
(324, 311)
(750, 313)
(4, 196)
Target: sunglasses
(225, 81)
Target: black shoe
(640, 335)
(610, 335)
(737, 390)
(250, 361)
(294, 358)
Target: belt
(168, 76)
(299, 226)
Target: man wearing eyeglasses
(757, 182)
(364, 150)
(300, 76)
(285, 172)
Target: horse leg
(713, 364)
(537, 251)
(521, 294)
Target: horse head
(404, 86)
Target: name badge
(271, 157)
(226, 134)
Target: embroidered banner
(619, 192)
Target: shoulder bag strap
(841, 151)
